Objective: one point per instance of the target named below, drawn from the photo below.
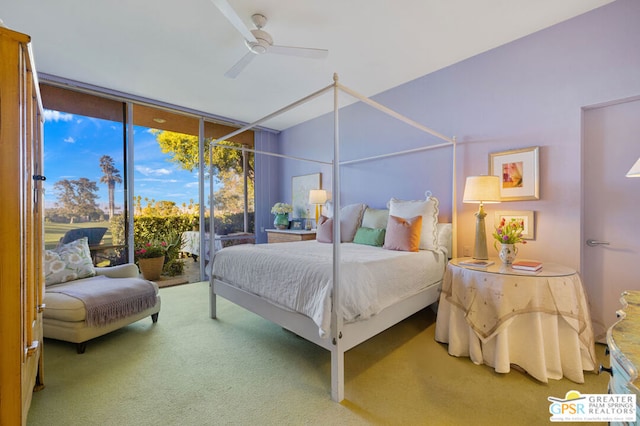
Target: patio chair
(93, 234)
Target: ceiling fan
(259, 41)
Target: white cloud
(156, 180)
(51, 115)
(148, 171)
(70, 140)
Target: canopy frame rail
(393, 113)
(395, 154)
(276, 113)
(272, 154)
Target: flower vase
(507, 253)
(281, 221)
(151, 268)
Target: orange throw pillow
(403, 234)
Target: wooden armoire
(21, 228)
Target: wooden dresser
(289, 235)
(623, 340)
(21, 228)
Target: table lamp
(317, 197)
(635, 170)
(481, 189)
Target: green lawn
(54, 231)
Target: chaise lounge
(83, 302)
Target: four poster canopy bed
(388, 266)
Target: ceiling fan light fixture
(257, 48)
(262, 43)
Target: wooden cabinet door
(21, 216)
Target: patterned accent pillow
(403, 234)
(68, 262)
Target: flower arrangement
(510, 232)
(281, 208)
(151, 249)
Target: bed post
(212, 300)
(212, 233)
(454, 204)
(337, 373)
(337, 354)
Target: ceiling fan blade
(231, 15)
(240, 65)
(306, 52)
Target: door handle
(594, 243)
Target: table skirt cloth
(541, 324)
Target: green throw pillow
(369, 236)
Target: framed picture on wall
(526, 216)
(300, 187)
(518, 171)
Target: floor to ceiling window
(159, 185)
(84, 162)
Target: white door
(611, 210)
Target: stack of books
(527, 265)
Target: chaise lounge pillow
(428, 209)
(68, 262)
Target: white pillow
(428, 209)
(350, 219)
(445, 238)
(68, 262)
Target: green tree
(110, 176)
(183, 150)
(227, 167)
(77, 198)
(155, 208)
(230, 197)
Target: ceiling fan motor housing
(264, 41)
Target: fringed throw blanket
(107, 299)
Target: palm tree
(111, 177)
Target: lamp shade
(635, 170)
(317, 196)
(482, 189)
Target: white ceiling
(177, 51)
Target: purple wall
(526, 93)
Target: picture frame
(296, 224)
(527, 216)
(300, 187)
(518, 171)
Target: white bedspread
(298, 276)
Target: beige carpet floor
(243, 370)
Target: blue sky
(73, 146)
